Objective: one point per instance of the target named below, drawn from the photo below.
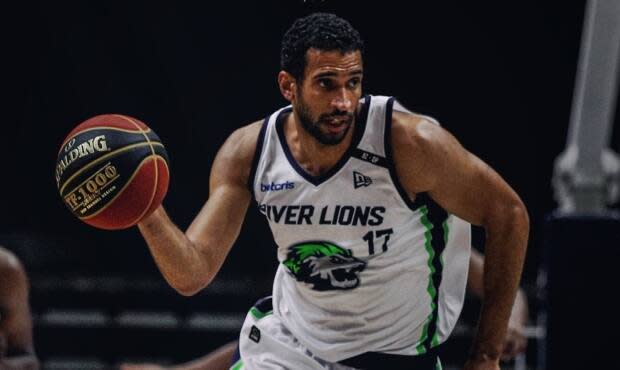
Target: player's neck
(314, 157)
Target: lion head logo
(324, 265)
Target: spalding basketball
(112, 171)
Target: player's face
(328, 97)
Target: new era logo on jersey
(360, 180)
(288, 185)
(255, 334)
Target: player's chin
(331, 139)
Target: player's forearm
(181, 264)
(22, 362)
(504, 255)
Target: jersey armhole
(387, 146)
(257, 154)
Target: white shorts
(266, 344)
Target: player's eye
(325, 83)
(354, 82)
(336, 259)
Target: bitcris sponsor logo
(277, 187)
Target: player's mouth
(337, 125)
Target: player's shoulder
(420, 148)
(417, 132)
(235, 157)
(249, 131)
(241, 144)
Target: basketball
(112, 171)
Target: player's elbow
(520, 216)
(189, 285)
(517, 221)
(187, 289)
(187, 292)
(195, 275)
(509, 217)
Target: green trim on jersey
(438, 365)
(238, 365)
(446, 234)
(258, 314)
(432, 292)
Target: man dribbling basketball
(369, 205)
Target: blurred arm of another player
(220, 359)
(430, 160)
(515, 342)
(190, 260)
(16, 345)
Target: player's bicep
(466, 186)
(429, 159)
(475, 195)
(219, 222)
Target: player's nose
(342, 101)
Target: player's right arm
(190, 260)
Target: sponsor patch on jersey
(255, 334)
(359, 180)
(324, 265)
(287, 185)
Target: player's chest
(356, 196)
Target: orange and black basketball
(112, 171)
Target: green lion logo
(325, 265)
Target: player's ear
(287, 84)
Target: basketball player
(16, 347)
(514, 344)
(369, 205)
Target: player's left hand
(516, 342)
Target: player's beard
(313, 127)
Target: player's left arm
(515, 341)
(16, 322)
(429, 159)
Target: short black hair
(323, 31)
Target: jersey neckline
(360, 128)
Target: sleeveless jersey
(362, 267)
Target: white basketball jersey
(362, 267)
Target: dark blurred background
(499, 75)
